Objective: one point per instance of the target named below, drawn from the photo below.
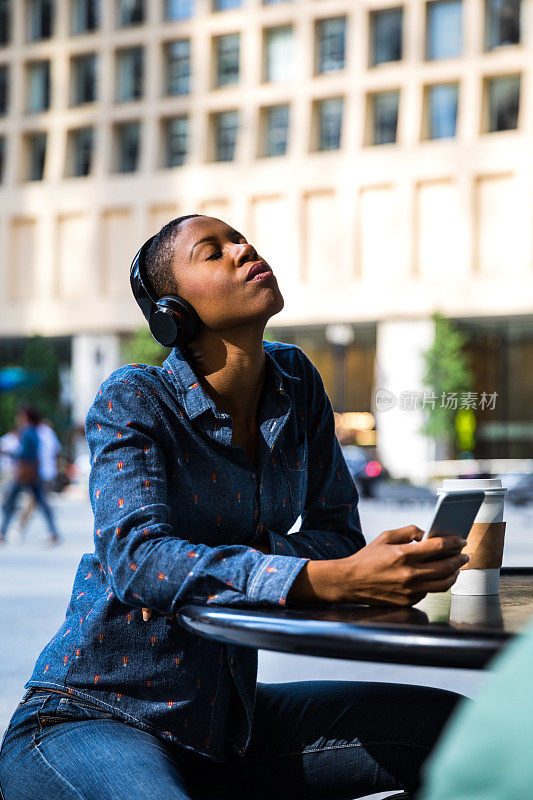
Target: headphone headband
(172, 320)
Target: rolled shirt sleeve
(147, 561)
(331, 526)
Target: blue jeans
(40, 497)
(310, 739)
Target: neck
(231, 369)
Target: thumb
(147, 613)
(409, 533)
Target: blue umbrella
(17, 378)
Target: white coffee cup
(471, 580)
(481, 611)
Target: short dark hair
(32, 414)
(158, 260)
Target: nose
(246, 253)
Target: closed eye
(218, 253)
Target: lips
(257, 268)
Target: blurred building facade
(378, 154)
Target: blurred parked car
(366, 471)
(522, 491)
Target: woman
(26, 473)
(198, 470)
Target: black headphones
(173, 321)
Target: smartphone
(455, 513)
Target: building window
(444, 38)
(442, 110)
(329, 123)
(384, 106)
(38, 86)
(178, 9)
(130, 12)
(226, 128)
(5, 22)
(85, 16)
(4, 89)
(176, 131)
(279, 51)
(386, 32)
(503, 101)
(178, 66)
(227, 59)
(128, 139)
(222, 5)
(130, 74)
(81, 151)
(502, 23)
(39, 19)
(331, 39)
(83, 76)
(276, 130)
(36, 149)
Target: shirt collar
(195, 399)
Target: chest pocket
(295, 466)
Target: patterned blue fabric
(177, 509)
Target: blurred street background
(377, 154)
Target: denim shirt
(177, 509)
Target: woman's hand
(394, 568)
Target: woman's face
(211, 264)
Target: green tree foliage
(447, 370)
(9, 403)
(142, 348)
(38, 358)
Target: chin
(276, 305)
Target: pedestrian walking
(26, 474)
(49, 449)
(199, 469)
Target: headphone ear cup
(174, 322)
(165, 328)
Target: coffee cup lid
(489, 485)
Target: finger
(408, 533)
(441, 585)
(436, 570)
(147, 613)
(439, 546)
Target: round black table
(443, 630)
